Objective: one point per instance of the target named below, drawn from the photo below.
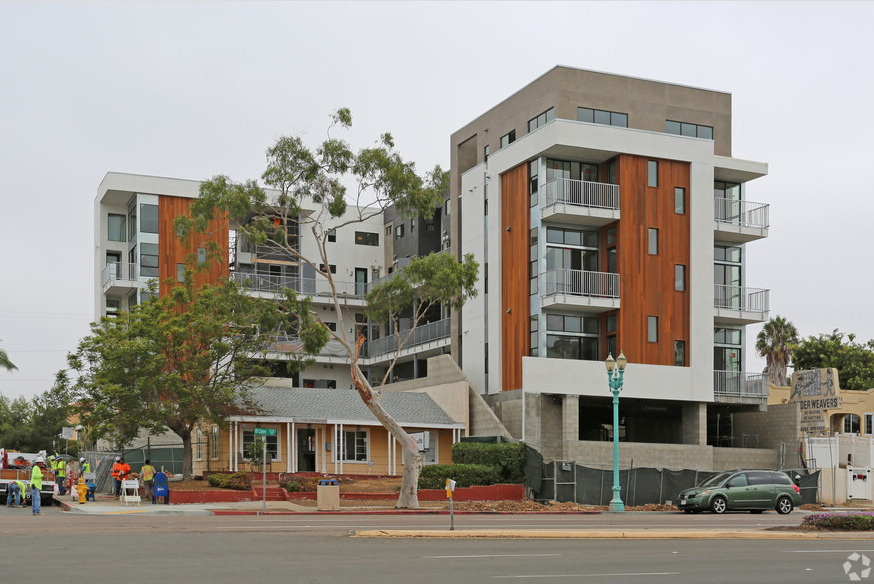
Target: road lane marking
(493, 556)
(605, 575)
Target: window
(116, 230)
(652, 243)
(541, 120)
(486, 153)
(869, 424)
(580, 340)
(180, 272)
(533, 256)
(652, 173)
(132, 223)
(679, 277)
(399, 232)
(272, 444)
(595, 116)
(534, 337)
(149, 260)
(680, 353)
(320, 383)
(447, 206)
(148, 218)
(562, 169)
(388, 230)
(852, 424)
(332, 235)
(413, 223)
(508, 138)
(352, 446)
(679, 200)
(652, 329)
(331, 267)
(533, 168)
(366, 238)
(691, 130)
(727, 350)
(113, 305)
(201, 255)
(430, 227)
(198, 445)
(214, 444)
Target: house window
(214, 445)
(652, 173)
(272, 444)
(596, 116)
(508, 138)
(652, 241)
(869, 424)
(690, 130)
(366, 238)
(680, 278)
(201, 255)
(447, 206)
(680, 353)
(148, 218)
(852, 424)
(541, 120)
(352, 445)
(679, 200)
(198, 445)
(116, 229)
(180, 272)
(149, 260)
(652, 329)
(332, 235)
(320, 383)
(399, 232)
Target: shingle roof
(295, 404)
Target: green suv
(747, 490)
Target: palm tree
(5, 362)
(774, 343)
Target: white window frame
(198, 444)
(244, 443)
(339, 449)
(215, 450)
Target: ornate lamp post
(615, 379)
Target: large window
(272, 444)
(366, 238)
(116, 229)
(579, 338)
(508, 138)
(149, 260)
(596, 116)
(691, 130)
(558, 169)
(352, 445)
(727, 349)
(727, 275)
(148, 218)
(852, 424)
(571, 249)
(541, 120)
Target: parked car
(749, 490)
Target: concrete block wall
(551, 429)
(740, 458)
(673, 456)
(483, 421)
(778, 424)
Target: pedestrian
(36, 485)
(120, 470)
(61, 474)
(116, 482)
(13, 492)
(147, 473)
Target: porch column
(289, 437)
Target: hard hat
(82, 459)
(39, 459)
(117, 458)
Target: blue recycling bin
(92, 488)
(161, 488)
(328, 482)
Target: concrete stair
(272, 492)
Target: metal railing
(741, 213)
(117, 271)
(581, 193)
(581, 283)
(310, 286)
(740, 384)
(422, 334)
(741, 298)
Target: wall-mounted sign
(816, 391)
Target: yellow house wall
(852, 402)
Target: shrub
(239, 481)
(508, 459)
(844, 521)
(434, 476)
(295, 483)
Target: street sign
(265, 431)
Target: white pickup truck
(15, 466)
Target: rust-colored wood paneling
(647, 281)
(514, 275)
(173, 251)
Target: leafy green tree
(315, 179)
(774, 343)
(178, 360)
(34, 425)
(5, 362)
(854, 361)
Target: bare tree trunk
(186, 454)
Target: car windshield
(713, 481)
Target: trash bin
(328, 495)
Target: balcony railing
(582, 283)
(741, 298)
(310, 286)
(422, 334)
(581, 193)
(115, 271)
(741, 213)
(738, 384)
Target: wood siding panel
(514, 275)
(172, 251)
(647, 281)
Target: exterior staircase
(272, 492)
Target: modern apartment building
(609, 214)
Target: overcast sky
(191, 90)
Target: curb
(397, 512)
(606, 534)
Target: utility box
(328, 495)
(858, 483)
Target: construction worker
(116, 482)
(147, 473)
(83, 466)
(61, 474)
(36, 485)
(13, 491)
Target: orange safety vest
(115, 469)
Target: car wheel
(718, 505)
(756, 511)
(784, 505)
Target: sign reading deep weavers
(816, 391)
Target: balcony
(739, 387)
(739, 305)
(579, 202)
(740, 221)
(432, 335)
(596, 291)
(119, 279)
(319, 288)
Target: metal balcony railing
(581, 193)
(115, 271)
(741, 298)
(581, 283)
(741, 213)
(739, 384)
(422, 334)
(310, 286)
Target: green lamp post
(615, 378)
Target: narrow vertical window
(679, 201)
(201, 255)
(486, 153)
(680, 278)
(652, 173)
(180, 272)
(652, 329)
(653, 241)
(680, 353)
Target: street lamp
(615, 379)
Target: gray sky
(191, 90)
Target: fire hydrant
(82, 488)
